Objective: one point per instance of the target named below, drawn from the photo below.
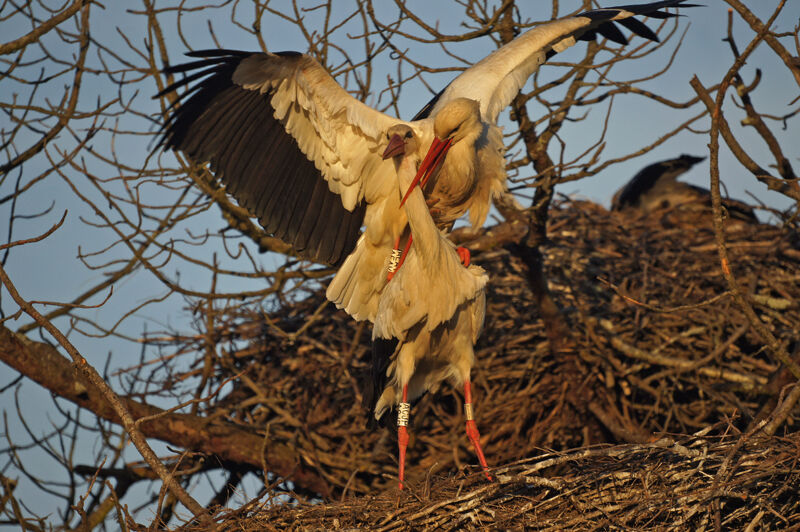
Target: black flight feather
(382, 351)
(234, 129)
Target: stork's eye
(408, 134)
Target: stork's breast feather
(427, 294)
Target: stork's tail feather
(382, 351)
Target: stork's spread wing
(495, 80)
(289, 143)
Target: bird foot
(475, 438)
(403, 410)
(464, 255)
(402, 443)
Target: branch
(769, 339)
(757, 26)
(112, 400)
(43, 364)
(66, 115)
(760, 173)
(40, 30)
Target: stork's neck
(423, 229)
(406, 170)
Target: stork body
(304, 156)
(429, 316)
(473, 171)
(656, 187)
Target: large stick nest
(655, 347)
(695, 483)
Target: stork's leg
(464, 255)
(402, 433)
(472, 429)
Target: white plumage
(304, 156)
(433, 308)
(430, 295)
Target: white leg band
(394, 260)
(403, 410)
(468, 411)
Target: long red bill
(432, 160)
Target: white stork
(304, 156)
(656, 187)
(429, 316)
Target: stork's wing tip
(217, 52)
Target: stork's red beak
(432, 160)
(396, 147)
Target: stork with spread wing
(429, 317)
(304, 156)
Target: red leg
(402, 434)
(472, 429)
(464, 255)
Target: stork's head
(458, 119)
(401, 141)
